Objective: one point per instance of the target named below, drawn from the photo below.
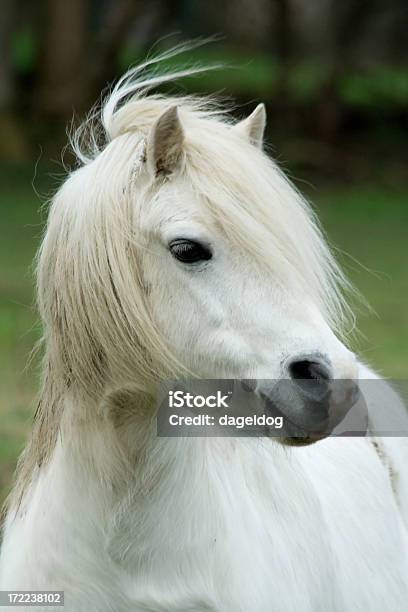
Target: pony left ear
(253, 127)
(165, 143)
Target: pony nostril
(312, 376)
(309, 370)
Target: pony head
(180, 247)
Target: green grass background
(368, 223)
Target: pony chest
(234, 537)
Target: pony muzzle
(312, 406)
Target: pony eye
(189, 251)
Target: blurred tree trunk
(6, 70)
(63, 84)
(284, 33)
(12, 138)
(284, 43)
(121, 16)
(348, 21)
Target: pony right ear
(253, 127)
(165, 143)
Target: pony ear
(252, 128)
(165, 143)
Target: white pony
(179, 247)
